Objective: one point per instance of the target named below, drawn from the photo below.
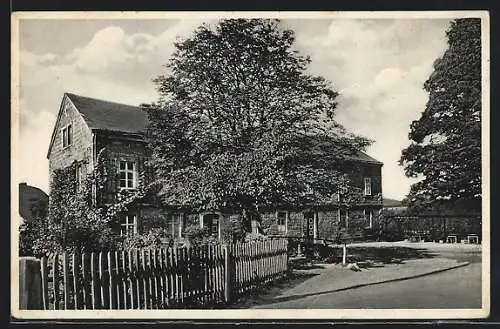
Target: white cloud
(112, 65)
(33, 144)
(106, 47)
(29, 59)
(379, 67)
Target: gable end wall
(81, 147)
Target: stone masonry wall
(81, 146)
(120, 149)
(328, 224)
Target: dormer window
(128, 175)
(368, 186)
(67, 136)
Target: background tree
(446, 140)
(240, 123)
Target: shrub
(155, 238)
(390, 231)
(72, 224)
(28, 234)
(233, 230)
(81, 230)
(293, 245)
(199, 235)
(253, 237)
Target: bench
(473, 238)
(452, 238)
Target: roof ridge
(101, 100)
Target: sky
(378, 66)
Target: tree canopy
(241, 123)
(446, 141)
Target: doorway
(311, 225)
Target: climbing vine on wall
(83, 213)
(112, 201)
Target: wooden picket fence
(202, 276)
(256, 264)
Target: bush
(79, 231)
(254, 237)
(293, 245)
(155, 238)
(233, 230)
(73, 223)
(28, 234)
(199, 235)
(390, 231)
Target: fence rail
(163, 278)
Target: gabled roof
(324, 145)
(392, 203)
(110, 116)
(363, 157)
(104, 115)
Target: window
(78, 175)
(128, 175)
(368, 186)
(255, 225)
(281, 217)
(212, 222)
(70, 135)
(368, 217)
(175, 224)
(67, 136)
(343, 218)
(128, 225)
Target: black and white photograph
(250, 165)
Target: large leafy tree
(446, 140)
(240, 123)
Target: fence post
(30, 284)
(228, 276)
(344, 254)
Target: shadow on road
(367, 257)
(302, 269)
(260, 297)
(304, 264)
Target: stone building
(86, 126)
